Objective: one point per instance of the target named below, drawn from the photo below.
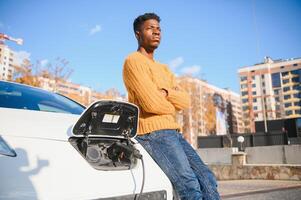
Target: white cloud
(192, 70)
(21, 56)
(44, 62)
(176, 62)
(95, 29)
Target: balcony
(290, 92)
(289, 76)
(292, 116)
(291, 100)
(295, 107)
(288, 84)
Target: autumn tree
(26, 73)
(210, 114)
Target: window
(254, 93)
(263, 91)
(287, 96)
(253, 77)
(262, 76)
(285, 89)
(263, 84)
(296, 80)
(276, 82)
(296, 72)
(243, 86)
(255, 108)
(295, 64)
(298, 95)
(289, 112)
(244, 93)
(285, 81)
(287, 105)
(254, 100)
(244, 108)
(298, 112)
(277, 99)
(253, 85)
(297, 103)
(243, 78)
(282, 67)
(296, 87)
(244, 100)
(276, 92)
(284, 73)
(24, 97)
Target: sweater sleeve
(176, 95)
(150, 98)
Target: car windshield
(20, 96)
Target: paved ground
(260, 190)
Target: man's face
(149, 35)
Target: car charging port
(106, 153)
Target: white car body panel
(47, 166)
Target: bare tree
(29, 74)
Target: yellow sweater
(143, 79)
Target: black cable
(143, 179)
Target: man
(152, 87)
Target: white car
(53, 148)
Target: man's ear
(137, 35)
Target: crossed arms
(151, 98)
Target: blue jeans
(191, 178)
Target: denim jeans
(191, 178)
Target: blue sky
(209, 39)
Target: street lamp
(240, 140)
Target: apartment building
(82, 94)
(213, 111)
(270, 90)
(7, 61)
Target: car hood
(36, 124)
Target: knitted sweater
(143, 79)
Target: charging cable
(139, 156)
(117, 149)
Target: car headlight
(5, 149)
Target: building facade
(77, 92)
(7, 62)
(270, 90)
(213, 111)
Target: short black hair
(142, 18)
